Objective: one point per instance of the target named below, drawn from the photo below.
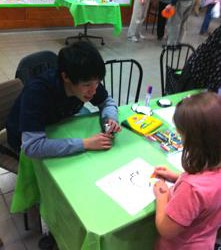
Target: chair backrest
(123, 80)
(172, 61)
(9, 91)
(34, 64)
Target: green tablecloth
(78, 213)
(94, 13)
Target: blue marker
(148, 96)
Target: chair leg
(26, 221)
(84, 35)
(154, 22)
(40, 224)
(147, 19)
(47, 242)
(1, 242)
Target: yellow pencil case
(142, 124)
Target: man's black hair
(81, 61)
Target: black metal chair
(32, 65)
(172, 61)
(124, 74)
(84, 35)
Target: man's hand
(114, 127)
(98, 142)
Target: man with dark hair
(58, 94)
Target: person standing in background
(176, 24)
(196, 7)
(209, 4)
(161, 23)
(139, 13)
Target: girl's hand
(166, 174)
(114, 127)
(98, 142)
(160, 188)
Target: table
(26, 3)
(93, 12)
(78, 213)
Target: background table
(26, 3)
(94, 13)
(78, 213)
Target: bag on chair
(172, 78)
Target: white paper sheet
(130, 186)
(166, 114)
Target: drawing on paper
(130, 186)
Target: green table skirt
(98, 13)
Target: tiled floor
(15, 45)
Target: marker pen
(106, 127)
(148, 96)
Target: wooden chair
(123, 74)
(9, 91)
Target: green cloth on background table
(94, 13)
(77, 212)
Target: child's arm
(166, 227)
(166, 174)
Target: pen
(148, 96)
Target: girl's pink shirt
(195, 203)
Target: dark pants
(161, 21)
(208, 17)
